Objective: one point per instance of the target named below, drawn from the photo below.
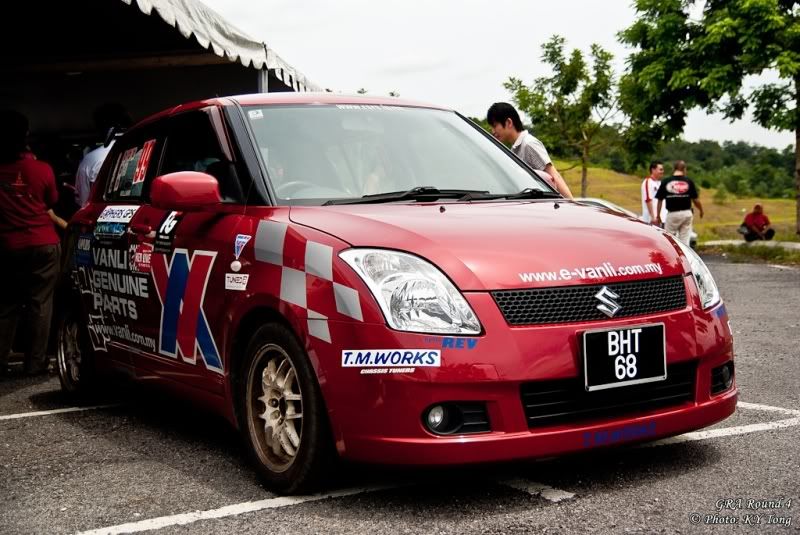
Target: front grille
(566, 400)
(578, 303)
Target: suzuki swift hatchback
(382, 281)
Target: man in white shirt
(649, 188)
(507, 128)
(106, 117)
(88, 171)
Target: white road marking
(230, 510)
(538, 489)
(54, 411)
(770, 408)
(726, 432)
(736, 430)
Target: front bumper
(541, 442)
(378, 418)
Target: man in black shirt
(679, 192)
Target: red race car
(382, 281)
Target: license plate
(623, 357)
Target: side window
(192, 145)
(134, 160)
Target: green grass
(720, 220)
(755, 253)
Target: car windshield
(320, 153)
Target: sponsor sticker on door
(236, 281)
(117, 214)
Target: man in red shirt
(29, 244)
(758, 225)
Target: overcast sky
(456, 53)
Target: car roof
(287, 98)
(267, 99)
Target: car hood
(504, 245)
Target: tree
(362, 91)
(394, 94)
(682, 63)
(570, 107)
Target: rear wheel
(282, 414)
(75, 357)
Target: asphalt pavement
(143, 461)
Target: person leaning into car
(28, 242)
(679, 193)
(507, 128)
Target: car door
(112, 293)
(187, 254)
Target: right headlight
(709, 294)
(412, 293)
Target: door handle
(139, 228)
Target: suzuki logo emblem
(608, 306)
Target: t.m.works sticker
(376, 361)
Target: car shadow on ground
(152, 416)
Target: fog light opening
(727, 376)
(436, 418)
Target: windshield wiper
(421, 193)
(527, 193)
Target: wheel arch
(259, 314)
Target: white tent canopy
(62, 59)
(194, 19)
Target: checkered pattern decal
(305, 271)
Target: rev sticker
(452, 342)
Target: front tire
(281, 412)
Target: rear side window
(194, 145)
(135, 162)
